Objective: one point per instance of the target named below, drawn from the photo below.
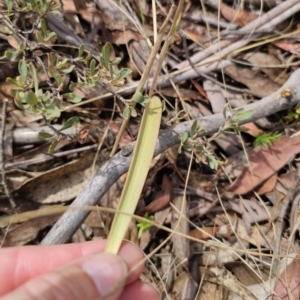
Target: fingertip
(134, 258)
(108, 272)
(143, 290)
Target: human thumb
(88, 278)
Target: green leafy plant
(266, 139)
(138, 97)
(101, 69)
(143, 225)
(201, 148)
(89, 69)
(232, 121)
(191, 143)
(44, 35)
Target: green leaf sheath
(138, 171)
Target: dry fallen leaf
(161, 200)
(60, 184)
(200, 89)
(252, 129)
(264, 162)
(288, 283)
(268, 186)
(287, 45)
(239, 17)
(267, 63)
(258, 84)
(207, 232)
(28, 231)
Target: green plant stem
(139, 167)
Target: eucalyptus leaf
(50, 36)
(12, 81)
(116, 61)
(10, 54)
(124, 73)
(70, 123)
(18, 103)
(39, 37)
(22, 66)
(105, 52)
(188, 148)
(7, 30)
(9, 4)
(146, 100)
(225, 111)
(52, 147)
(55, 74)
(133, 112)
(184, 137)
(92, 66)
(53, 58)
(126, 113)
(72, 85)
(193, 128)
(111, 70)
(212, 163)
(22, 47)
(67, 70)
(72, 97)
(81, 50)
(103, 62)
(246, 114)
(51, 112)
(138, 97)
(64, 61)
(30, 98)
(43, 27)
(45, 135)
(21, 96)
(31, 110)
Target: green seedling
(266, 139)
(143, 225)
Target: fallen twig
(266, 21)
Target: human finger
(20, 264)
(139, 288)
(87, 278)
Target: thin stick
(145, 74)
(165, 47)
(2, 168)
